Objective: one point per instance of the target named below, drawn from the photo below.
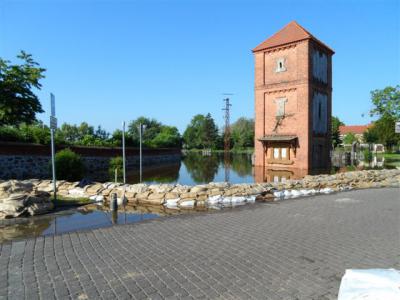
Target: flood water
(196, 168)
(86, 217)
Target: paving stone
(294, 249)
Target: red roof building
(356, 129)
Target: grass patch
(63, 201)
(391, 159)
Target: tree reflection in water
(241, 164)
(202, 168)
(163, 173)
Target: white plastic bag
(370, 284)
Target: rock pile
(26, 195)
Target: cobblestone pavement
(294, 249)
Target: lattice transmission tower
(227, 136)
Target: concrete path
(294, 249)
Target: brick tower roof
(291, 33)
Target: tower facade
(293, 101)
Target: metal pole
(53, 164)
(140, 149)
(53, 126)
(123, 150)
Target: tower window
(280, 65)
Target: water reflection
(163, 173)
(202, 168)
(262, 174)
(84, 218)
(88, 217)
(198, 168)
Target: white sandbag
(287, 193)
(121, 201)
(326, 191)
(279, 194)
(238, 199)
(189, 203)
(370, 284)
(305, 192)
(251, 199)
(171, 202)
(226, 200)
(99, 198)
(214, 200)
(296, 193)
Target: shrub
(69, 165)
(37, 133)
(116, 163)
(10, 134)
(367, 155)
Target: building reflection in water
(265, 174)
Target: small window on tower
(280, 65)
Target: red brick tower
(293, 101)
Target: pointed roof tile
(291, 33)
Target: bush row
(70, 167)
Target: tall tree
(336, 123)
(210, 132)
(383, 132)
(18, 102)
(152, 129)
(386, 102)
(202, 132)
(168, 137)
(243, 133)
(387, 107)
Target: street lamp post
(141, 128)
(123, 152)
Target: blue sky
(109, 61)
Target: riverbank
(30, 197)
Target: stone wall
(22, 161)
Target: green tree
(336, 123)
(202, 132)
(387, 107)
(83, 134)
(383, 132)
(242, 132)
(349, 138)
(37, 133)
(152, 129)
(18, 102)
(371, 135)
(192, 134)
(209, 132)
(386, 102)
(168, 137)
